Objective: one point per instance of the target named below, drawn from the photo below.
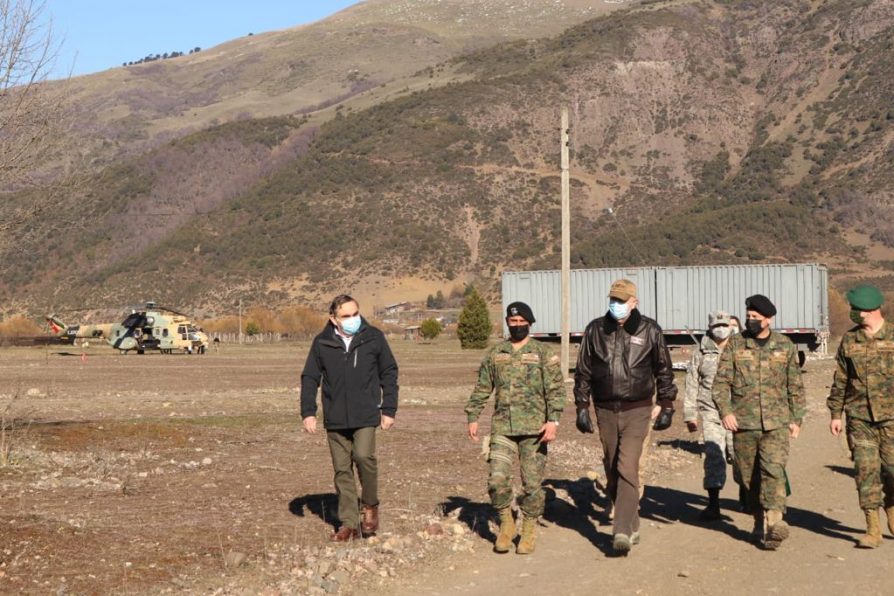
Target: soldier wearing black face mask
(525, 378)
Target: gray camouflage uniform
(698, 403)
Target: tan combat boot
(529, 529)
(889, 511)
(873, 536)
(777, 530)
(507, 531)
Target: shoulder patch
(554, 359)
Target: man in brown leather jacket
(623, 360)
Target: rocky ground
(165, 474)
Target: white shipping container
(679, 298)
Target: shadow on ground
(475, 515)
(323, 505)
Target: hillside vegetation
(717, 132)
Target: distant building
(391, 309)
(412, 332)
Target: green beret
(865, 298)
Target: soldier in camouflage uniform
(863, 388)
(698, 403)
(525, 376)
(760, 396)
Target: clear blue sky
(100, 34)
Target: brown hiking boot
(345, 534)
(528, 535)
(777, 530)
(889, 511)
(507, 531)
(873, 536)
(369, 519)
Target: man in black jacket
(359, 378)
(622, 360)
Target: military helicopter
(151, 328)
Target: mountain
(716, 132)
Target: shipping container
(680, 298)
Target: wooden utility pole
(566, 250)
(240, 320)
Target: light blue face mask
(618, 310)
(351, 326)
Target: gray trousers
(718, 447)
(348, 448)
(622, 435)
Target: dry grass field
(159, 474)
(146, 473)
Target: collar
(506, 346)
(883, 333)
(772, 341)
(709, 345)
(610, 325)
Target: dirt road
(154, 474)
(679, 554)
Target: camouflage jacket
(527, 384)
(700, 378)
(760, 385)
(863, 385)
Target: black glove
(583, 422)
(665, 417)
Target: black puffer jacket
(620, 366)
(359, 384)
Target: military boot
(507, 531)
(777, 530)
(889, 511)
(528, 532)
(873, 536)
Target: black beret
(520, 309)
(761, 304)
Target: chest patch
(502, 358)
(637, 341)
(744, 355)
(530, 358)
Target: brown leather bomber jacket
(622, 366)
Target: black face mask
(754, 327)
(519, 332)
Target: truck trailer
(680, 298)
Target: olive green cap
(865, 298)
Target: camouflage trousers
(761, 456)
(718, 448)
(531, 455)
(873, 449)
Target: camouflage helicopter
(151, 328)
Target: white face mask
(721, 333)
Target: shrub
(430, 329)
(474, 323)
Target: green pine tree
(474, 323)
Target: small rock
(457, 529)
(683, 573)
(234, 558)
(592, 475)
(340, 577)
(33, 392)
(331, 587)
(206, 461)
(324, 568)
(434, 529)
